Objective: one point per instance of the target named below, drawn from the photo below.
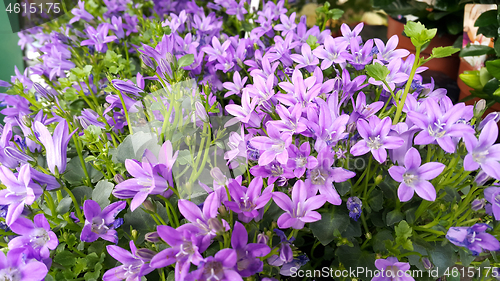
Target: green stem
(75, 202)
(407, 88)
(126, 112)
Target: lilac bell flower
(101, 223)
(333, 51)
(247, 262)
(245, 113)
(16, 267)
(387, 52)
(375, 138)
(219, 267)
(392, 270)
(492, 195)
(473, 238)
(35, 236)
(360, 57)
(287, 24)
(354, 205)
(55, 145)
(217, 49)
(98, 38)
(236, 87)
(415, 178)
(80, 13)
(300, 209)
(301, 159)
(440, 126)
(275, 145)
(238, 10)
(394, 77)
(133, 266)
(307, 59)
(484, 152)
(348, 34)
(20, 190)
(248, 202)
(146, 181)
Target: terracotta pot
(448, 65)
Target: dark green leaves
(394, 217)
(493, 68)
(101, 193)
(328, 225)
(476, 50)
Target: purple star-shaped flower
(101, 223)
(484, 152)
(359, 57)
(333, 51)
(36, 237)
(392, 270)
(415, 178)
(287, 24)
(80, 13)
(247, 202)
(301, 159)
(275, 145)
(473, 238)
(375, 138)
(98, 38)
(394, 77)
(219, 267)
(247, 262)
(300, 209)
(492, 195)
(236, 87)
(20, 190)
(307, 59)
(133, 266)
(387, 53)
(16, 267)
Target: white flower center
(409, 179)
(39, 237)
(374, 143)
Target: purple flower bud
(145, 254)
(152, 237)
(148, 61)
(119, 178)
(478, 204)
(215, 224)
(149, 206)
(354, 205)
(43, 91)
(262, 238)
(427, 263)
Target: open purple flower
(98, 38)
(301, 159)
(80, 13)
(247, 262)
(392, 270)
(236, 87)
(219, 267)
(101, 223)
(375, 138)
(275, 145)
(247, 202)
(484, 152)
(307, 59)
(415, 178)
(36, 237)
(300, 209)
(473, 238)
(333, 51)
(133, 266)
(394, 77)
(387, 53)
(55, 145)
(287, 25)
(492, 195)
(360, 56)
(16, 267)
(20, 190)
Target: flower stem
(407, 88)
(75, 202)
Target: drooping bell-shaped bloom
(473, 238)
(376, 139)
(392, 270)
(247, 262)
(133, 266)
(101, 223)
(248, 202)
(300, 209)
(55, 145)
(36, 237)
(483, 152)
(20, 190)
(16, 267)
(415, 177)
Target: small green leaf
(493, 67)
(186, 60)
(101, 193)
(394, 217)
(486, 18)
(65, 259)
(441, 52)
(335, 14)
(491, 86)
(413, 29)
(330, 224)
(376, 200)
(476, 50)
(403, 230)
(377, 71)
(471, 79)
(418, 34)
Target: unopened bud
(216, 225)
(145, 254)
(134, 234)
(222, 211)
(479, 107)
(478, 204)
(152, 237)
(262, 238)
(378, 179)
(427, 263)
(118, 178)
(368, 235)
(148, 61)
(26, 120)
(149, 206)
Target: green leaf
(376, 200)
(133, 147)
(471, 79)
(379, 238)
(413, 29)
(330, 223)
(64, 205)
(394, 217)
(186, 60)
(418, 34)
(403, 230)
(484, 76)
(335, 14)
(377, 71)
(486, 18)
(65, 259)
(441, 52)
(311, 41)
(491, 86)
(490, 31)
(465, 257)
(101, 193)
(342, 187)
(497, 47)
(493, 68)
(476, 50)
(81, 193)
(442, 256)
